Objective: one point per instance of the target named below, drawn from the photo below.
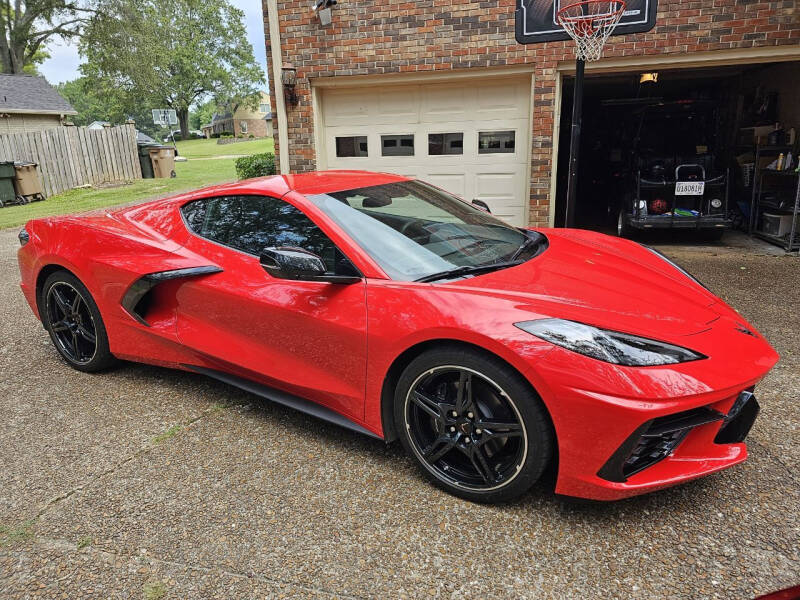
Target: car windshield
(416, 231)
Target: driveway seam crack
(66, 546)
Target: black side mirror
(480, 204)
(370, 202)
(299, 265)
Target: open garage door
(471, 138)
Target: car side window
(252, 223)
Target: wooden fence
(70, 157)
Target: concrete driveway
(148, 483)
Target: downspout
(280, 101)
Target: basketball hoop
(590, 23)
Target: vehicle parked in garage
(675, 181)
(390, 307)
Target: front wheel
(474, 425)
(73, 321)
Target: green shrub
(214, 136)
(257, 165)
(251, 136)
(225, 134)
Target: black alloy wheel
(74, 323)
(476, 429)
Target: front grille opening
(654, 441)
(652, 449)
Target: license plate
(690, 188)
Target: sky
(64, 62)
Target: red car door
(307, 338)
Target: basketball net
(590, 23)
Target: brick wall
(389, 36)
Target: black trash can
(7, 174)
(145, 161)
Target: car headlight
(609, 346)
(24, 237)
(675, 265)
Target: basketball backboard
(165, 117)
(536, 19)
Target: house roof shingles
(31, 94)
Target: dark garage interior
(721, 125)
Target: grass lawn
(191, 175)
(209, 148)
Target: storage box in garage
(779, 225)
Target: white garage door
(470, 138)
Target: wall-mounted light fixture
(648, 78)
(323, 10)
(289, 82)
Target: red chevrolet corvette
(390, 307)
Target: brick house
(385, 80)
(244, 122)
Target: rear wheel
(473, 424)
(73, 321)
(623, 229)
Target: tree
(170, 53)
(202, 114)
(27, 26)
(95, 103)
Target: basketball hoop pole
(575, 142)
(589, 23)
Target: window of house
(264, 108)
(252, 223)
(243, 126)
(445, 143)
(496, 142)
(349, 146)
(397, 145)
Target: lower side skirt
(301, 404)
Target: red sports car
(390, 307)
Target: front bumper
(602, 412)
(664, 222)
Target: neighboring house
(29, 103)
(244, 121)
(98, 125)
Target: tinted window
(397, 145)
(351, 146)
(252, 223)
(496, 142)
(412, 229)
(445, 143)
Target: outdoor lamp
(323, 9)
(289, 81)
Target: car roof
(324, 182)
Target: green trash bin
(145, 161)
(7, 174)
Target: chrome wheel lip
(62, 347)
(441, 474)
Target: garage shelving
(778, 184)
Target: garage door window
(445, 143)
(397, 145)
(496, 142)
(350, 146)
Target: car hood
(607, 282)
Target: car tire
(71, 317)
(623, 229)
(474, 425)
